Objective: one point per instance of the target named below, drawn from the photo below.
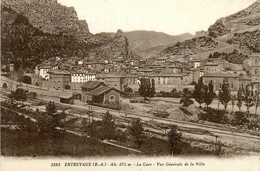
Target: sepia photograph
(130, 85)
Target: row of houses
(235, 79)
(168, 76)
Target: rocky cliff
(242, 20)
(22, 43)
(248, 42)
(107, 47)
(50, 17)
(25, 42)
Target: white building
(80, 62)
(90, 76)
(78, 77)
(81, 77)
(42, 71)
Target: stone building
(213, 67)
(234, 80)
(255, 71)
(99, 92)
(110, 80)
(59, 80)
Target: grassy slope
(17, 143)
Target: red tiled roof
(92, 84)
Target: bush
(214, 115)
(185, 111)
(240, 118)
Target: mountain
(240, 29)
(50, 17)
(109, 47)
(148, 43)
(24, 42)
(244, 20)
(143, 40)
(232, 38)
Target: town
(70, 93)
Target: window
(112, 98)
(256, 71)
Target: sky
(169, 16)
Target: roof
(92, 84)
(44, 66)
(102, 89)
(99, 90)
(58, 72)
(221, 75)
(66, 96)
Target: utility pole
(216, 145)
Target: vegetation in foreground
(23, 137)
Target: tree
(256, 100)
(198, 93)
(208, 95)
(136, 131)
(239, 98)
(152, 89)
(19, 95)
(186, 101)
(248, 97)
(127, 89)
(233, 102)
(50, 121)
(92, 130)
(174, 139)
(211, 88)
(147, 88)
(108, 126)
(51, 108)
(224, 95)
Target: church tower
(256, 70)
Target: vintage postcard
(130, 85)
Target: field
(17, 143)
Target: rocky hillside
(234, 57)
(240, 21)
(108, 47)
(25, 44)
(50, 17)
(22, 43)
(248, 42)
(191, 47)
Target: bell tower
(256, 71)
